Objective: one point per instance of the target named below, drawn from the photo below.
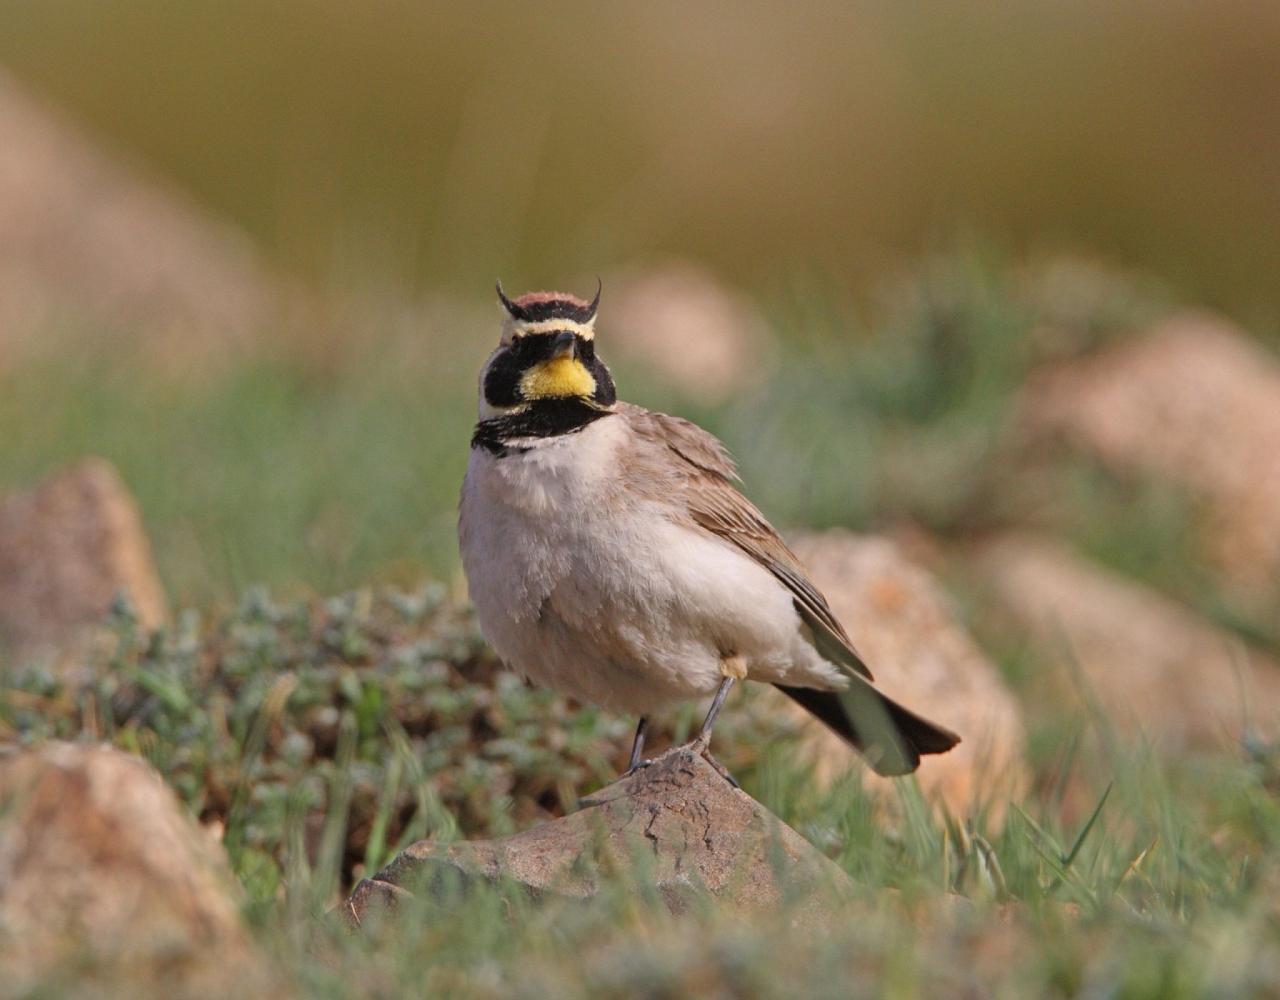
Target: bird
(611, 555)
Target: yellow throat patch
(557, 379)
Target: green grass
(351, 727)
(333, 469)
(263, 472)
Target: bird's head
(546, 355)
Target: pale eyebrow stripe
(584, 330)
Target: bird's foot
(701, 745)
(639, 765)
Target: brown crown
(535, 306)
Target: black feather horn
(515, 311)
(595, 303)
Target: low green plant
(321, 737)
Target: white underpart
(616, 606)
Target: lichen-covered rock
(678, 824)
(901, 622)
(105, 879)
(68, 550)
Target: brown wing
(705, 482)
(697, 447)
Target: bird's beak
(565, 345)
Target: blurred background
(247, 250)
(917, 268)
(992, 285)
(425, 147)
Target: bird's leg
(637, 748)
(722, 692)
(732, 668)
(702, 742)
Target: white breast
(519, 514)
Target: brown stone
(1151, 665)
(104, 878)
(67, 549)
(677, 824)
(1193, 402)
(902, 624)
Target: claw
(637, 748)
(702, 747)
(720, 769)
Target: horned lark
(611, 556)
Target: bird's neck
(542, 419)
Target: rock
(104, 878)
(68, 548)
(690, 829)
(88, 237)
(679, 321)
(901, 622)
(1153, 666)
(1193, 402)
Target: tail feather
(891, 737)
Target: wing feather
(706, 487)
